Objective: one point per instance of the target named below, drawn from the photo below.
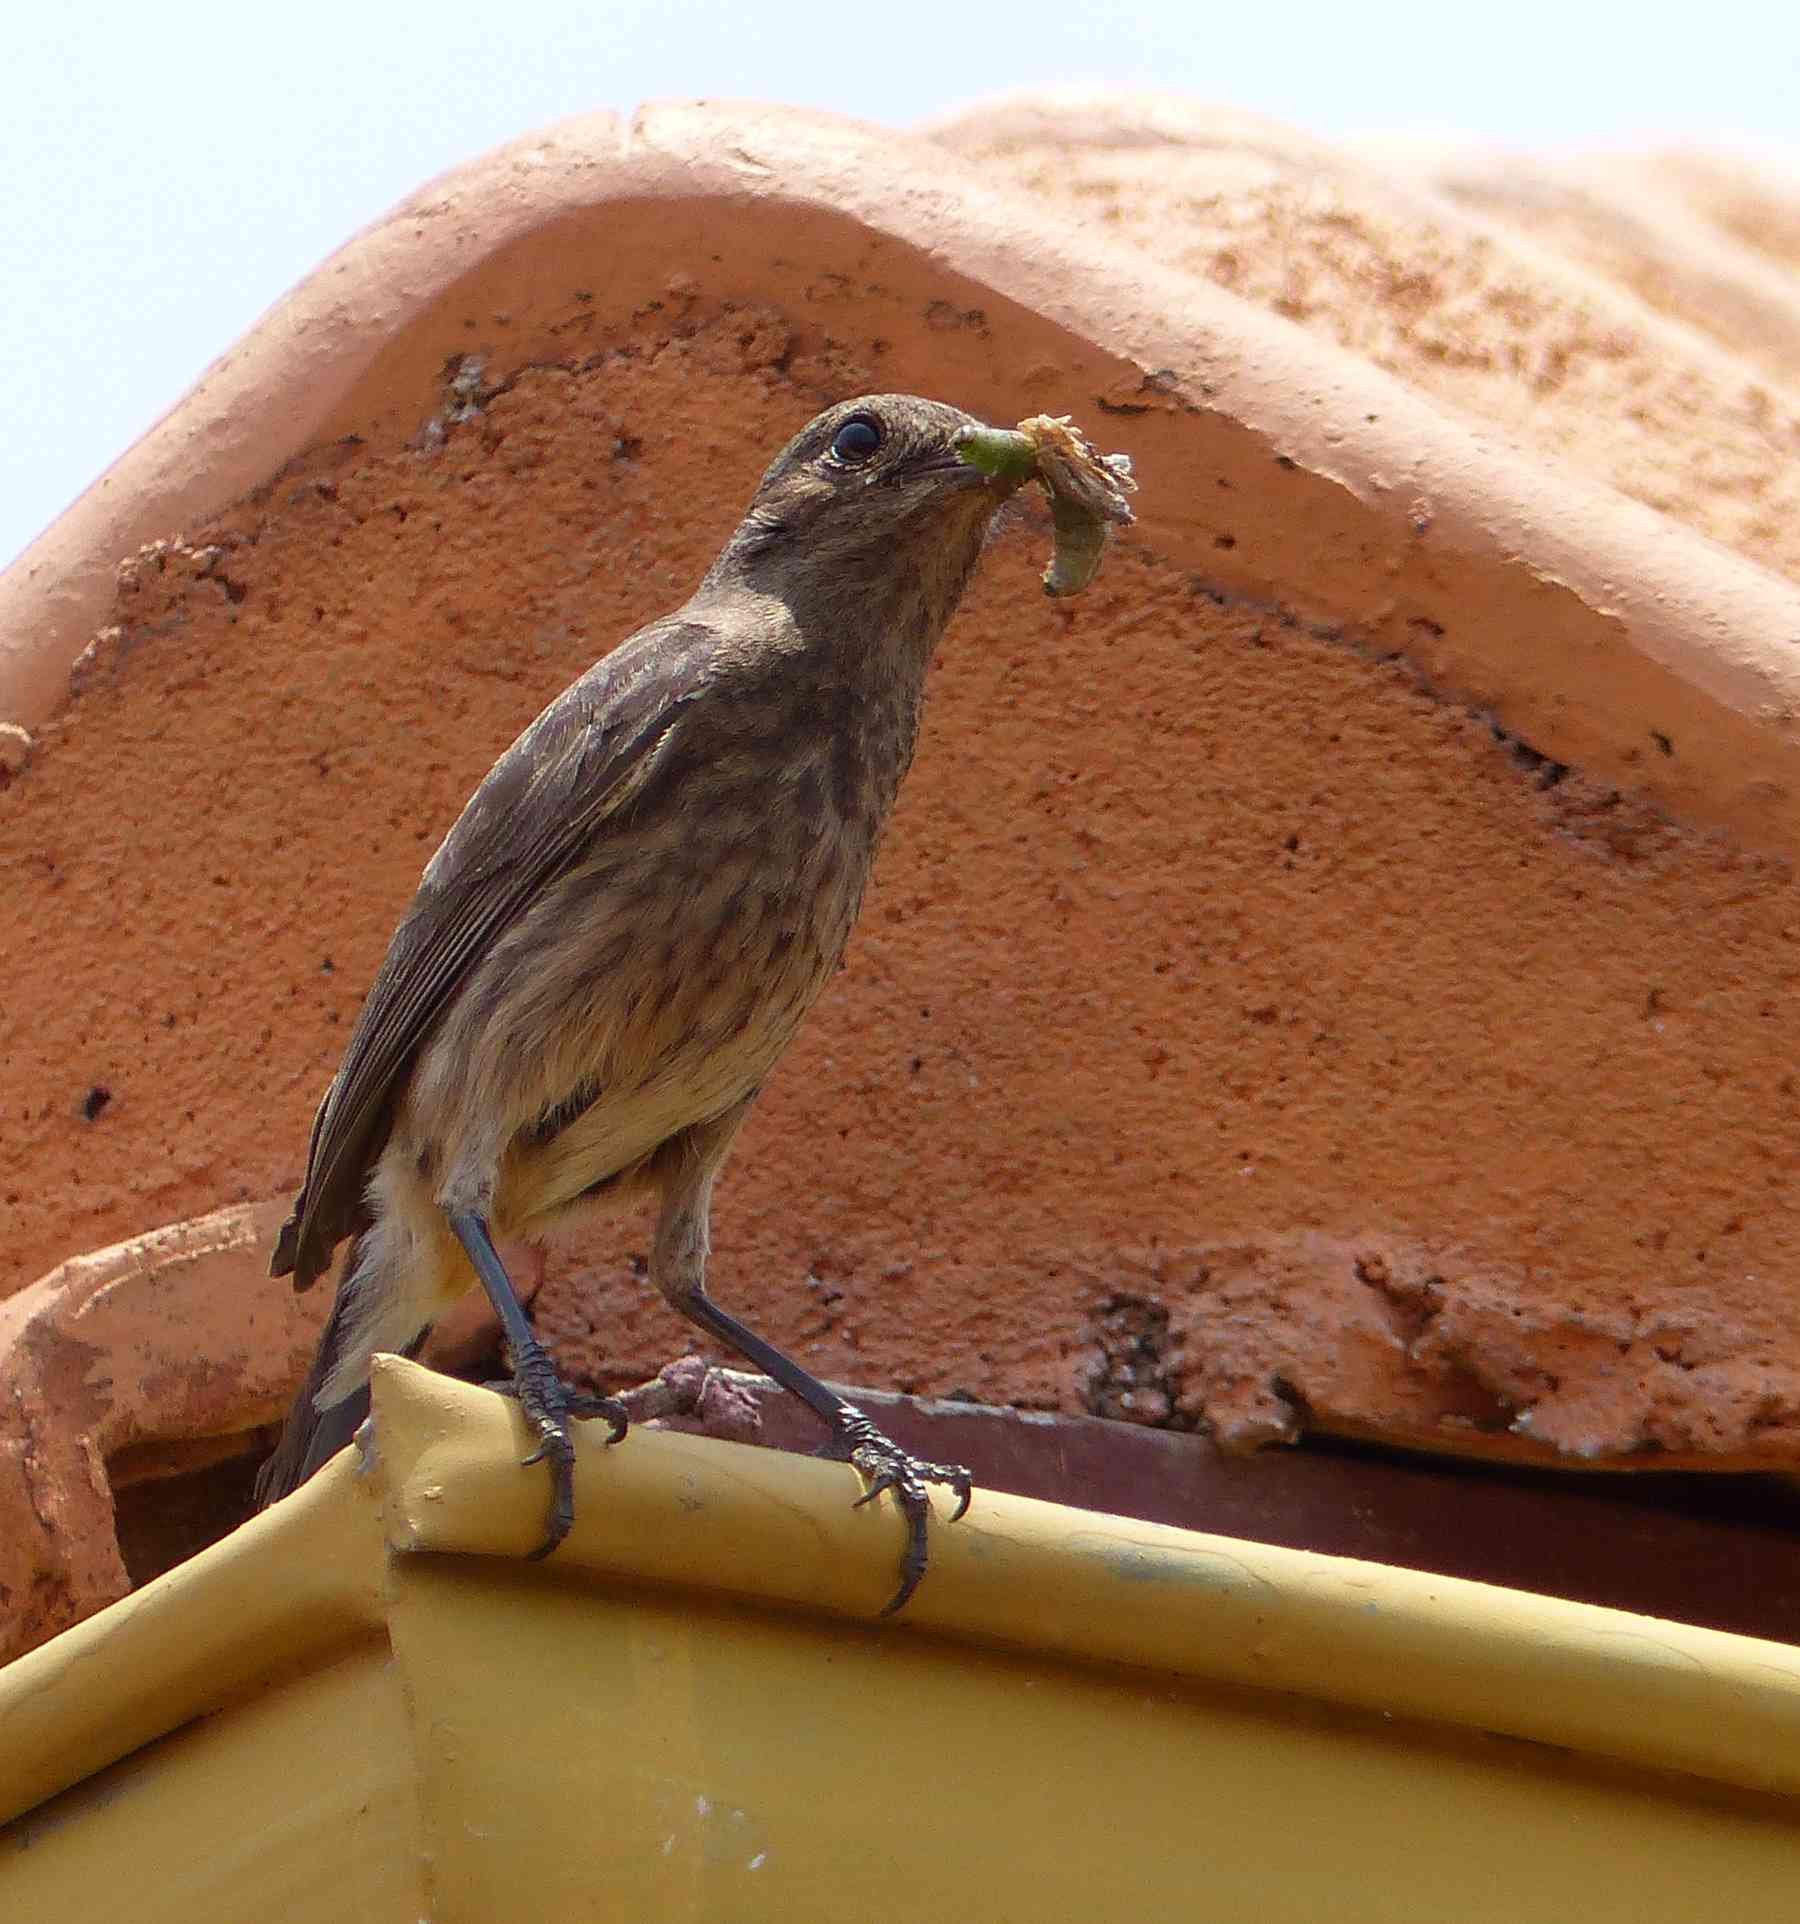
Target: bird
(621, 933)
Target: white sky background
(168, 173)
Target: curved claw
(578, 1404)
(883, 1465)
(548, 1404)
(557, 1448)
(886, 1480)
(912, 1570)
(614, 1413)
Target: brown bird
(622, 931)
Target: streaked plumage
(622, 931)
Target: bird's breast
(655, 987)
(654, 984)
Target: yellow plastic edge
(691, 1512)
(289, 1585)
(443, 1476)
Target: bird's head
(876, 492)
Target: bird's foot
(883, 1465)
(549, 1405)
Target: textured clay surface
(107, 1386)
(1210, 963)
(1339, 973)
(1641, 385)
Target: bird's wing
(542, 802)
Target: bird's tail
(330, 1405)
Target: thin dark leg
(687, 1165)
(721, 1323)
(547, 1401)
(854, 1439)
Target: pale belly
(686, 1056)
(624, 1126)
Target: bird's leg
(546, 1399)
(878, 1459)
(678, 1268)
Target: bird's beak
(996, 460)
(1001, 455)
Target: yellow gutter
(276, 1591)
(689, 1512)
(362, 1704)
(727, 1518)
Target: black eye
(856, 440)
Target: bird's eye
(856, 440)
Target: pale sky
(170, 172)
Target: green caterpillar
(1087, 489)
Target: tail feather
(312, 1435)
(287, 1247)
(309, 1441)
